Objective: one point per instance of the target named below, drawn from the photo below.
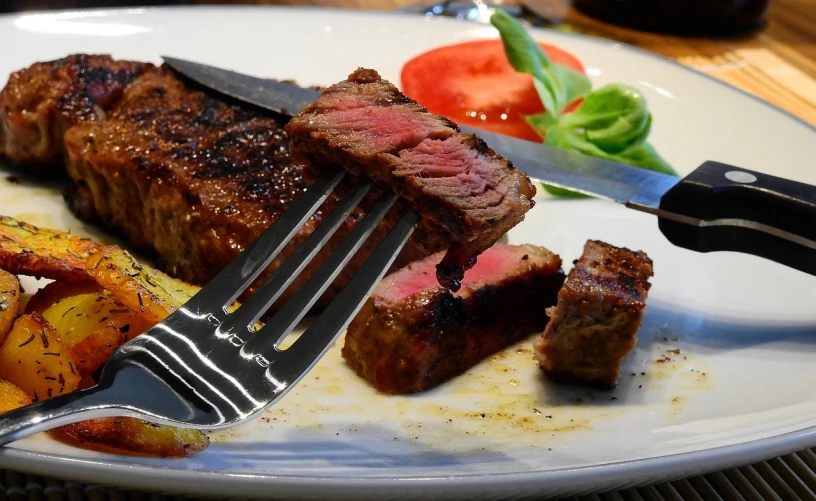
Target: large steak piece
(169, 167)
(39, 103)
(412, 334)
(466, 195)
(192, 176)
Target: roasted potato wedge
(9, 302)
(140, 288)
(101, 298)
(58, 291)
(76, 316)
(34, 358)
(137, 437)
(12, 396)
(89, 320)
(28, 250)
(96, 348)
(86, 382)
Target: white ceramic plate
(740, 389)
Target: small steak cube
(599, 311)
(466, 195)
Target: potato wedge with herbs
(96, 348)
(58, 291)
(9, 302)
(101, 298)
(12, 396)
(34, 358)
(139, 287)
(137, 436)
(90, 321)
(28, 250)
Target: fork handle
(58, 411)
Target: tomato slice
(473, 84)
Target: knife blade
(716, 207)
(597, 177)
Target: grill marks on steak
(175, 168)
(466, 195)
(42, 101)
(413, 335)
(599, 312)
(191, 176)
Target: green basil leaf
(642, 155)
(562, 192)
(614, 118)
(546, 95)
(576, 85)
(561, 138)
(613, 122)
(540, 122)
(557, 85)
(645, 156)
(626, 133)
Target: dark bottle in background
(685, 17)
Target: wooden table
(777, 62)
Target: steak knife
(718, 207)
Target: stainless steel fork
(205, 368)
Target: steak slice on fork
(467, 196)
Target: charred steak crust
(466, 195)
(41, 102)
(191, 176)
(404, 341)
(599, 312)
(182, 172)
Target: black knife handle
(743, 211)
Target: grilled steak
(412, 334)
(466, 195)
(599, 311)
(171, 168)
(40, 102)
(191, 176)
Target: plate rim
(606, 475)
(600, 476)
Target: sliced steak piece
(40, 102)
(599, 311)
(191, 176)
(466, 195)
(412, 334)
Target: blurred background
(765, 47)
(677, 16)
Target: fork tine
(312, 344)
(236, 277)
(245, 317)
(287, 318)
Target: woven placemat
(789, 477)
